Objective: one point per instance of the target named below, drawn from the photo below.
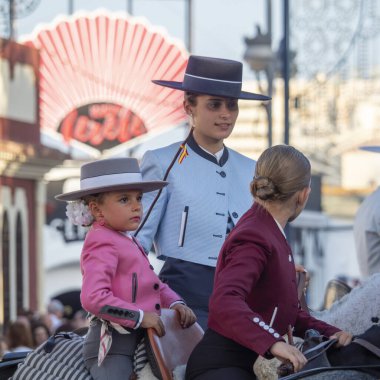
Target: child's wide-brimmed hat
(213, 76)
(112, 174)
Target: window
(5, 266)
(19, 265)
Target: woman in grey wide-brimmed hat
(208, 187)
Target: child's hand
(186, 315)
(154, 321)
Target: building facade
(23, 164)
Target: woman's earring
(101, 221)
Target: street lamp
(261, 58)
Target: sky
(319, 28)
(218, 27)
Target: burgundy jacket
(256, 274)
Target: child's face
(122, 210)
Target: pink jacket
(118, 279)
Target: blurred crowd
(30, 329)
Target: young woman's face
(214, 117)
(121, 210)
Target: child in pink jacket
(120, 289)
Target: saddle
(174, 348)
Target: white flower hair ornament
(79, 214)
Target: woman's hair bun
(264, 188)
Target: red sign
(106, 61)
(101, 125)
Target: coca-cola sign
(106, 61)
(101, 125)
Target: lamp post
(71, 7)
(260, 57)
(286, 71)
(189, 23)
(130, 7)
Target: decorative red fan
(95, 77)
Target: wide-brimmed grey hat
(111, 174)
(213, 76)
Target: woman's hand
(186, 315)
(285, 352)
(344, 338)
(154, 321)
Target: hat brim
(179, 86)
(371, 148)
(145, 187)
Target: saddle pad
(62, 360)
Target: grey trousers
(118, 364)
(114, 367)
